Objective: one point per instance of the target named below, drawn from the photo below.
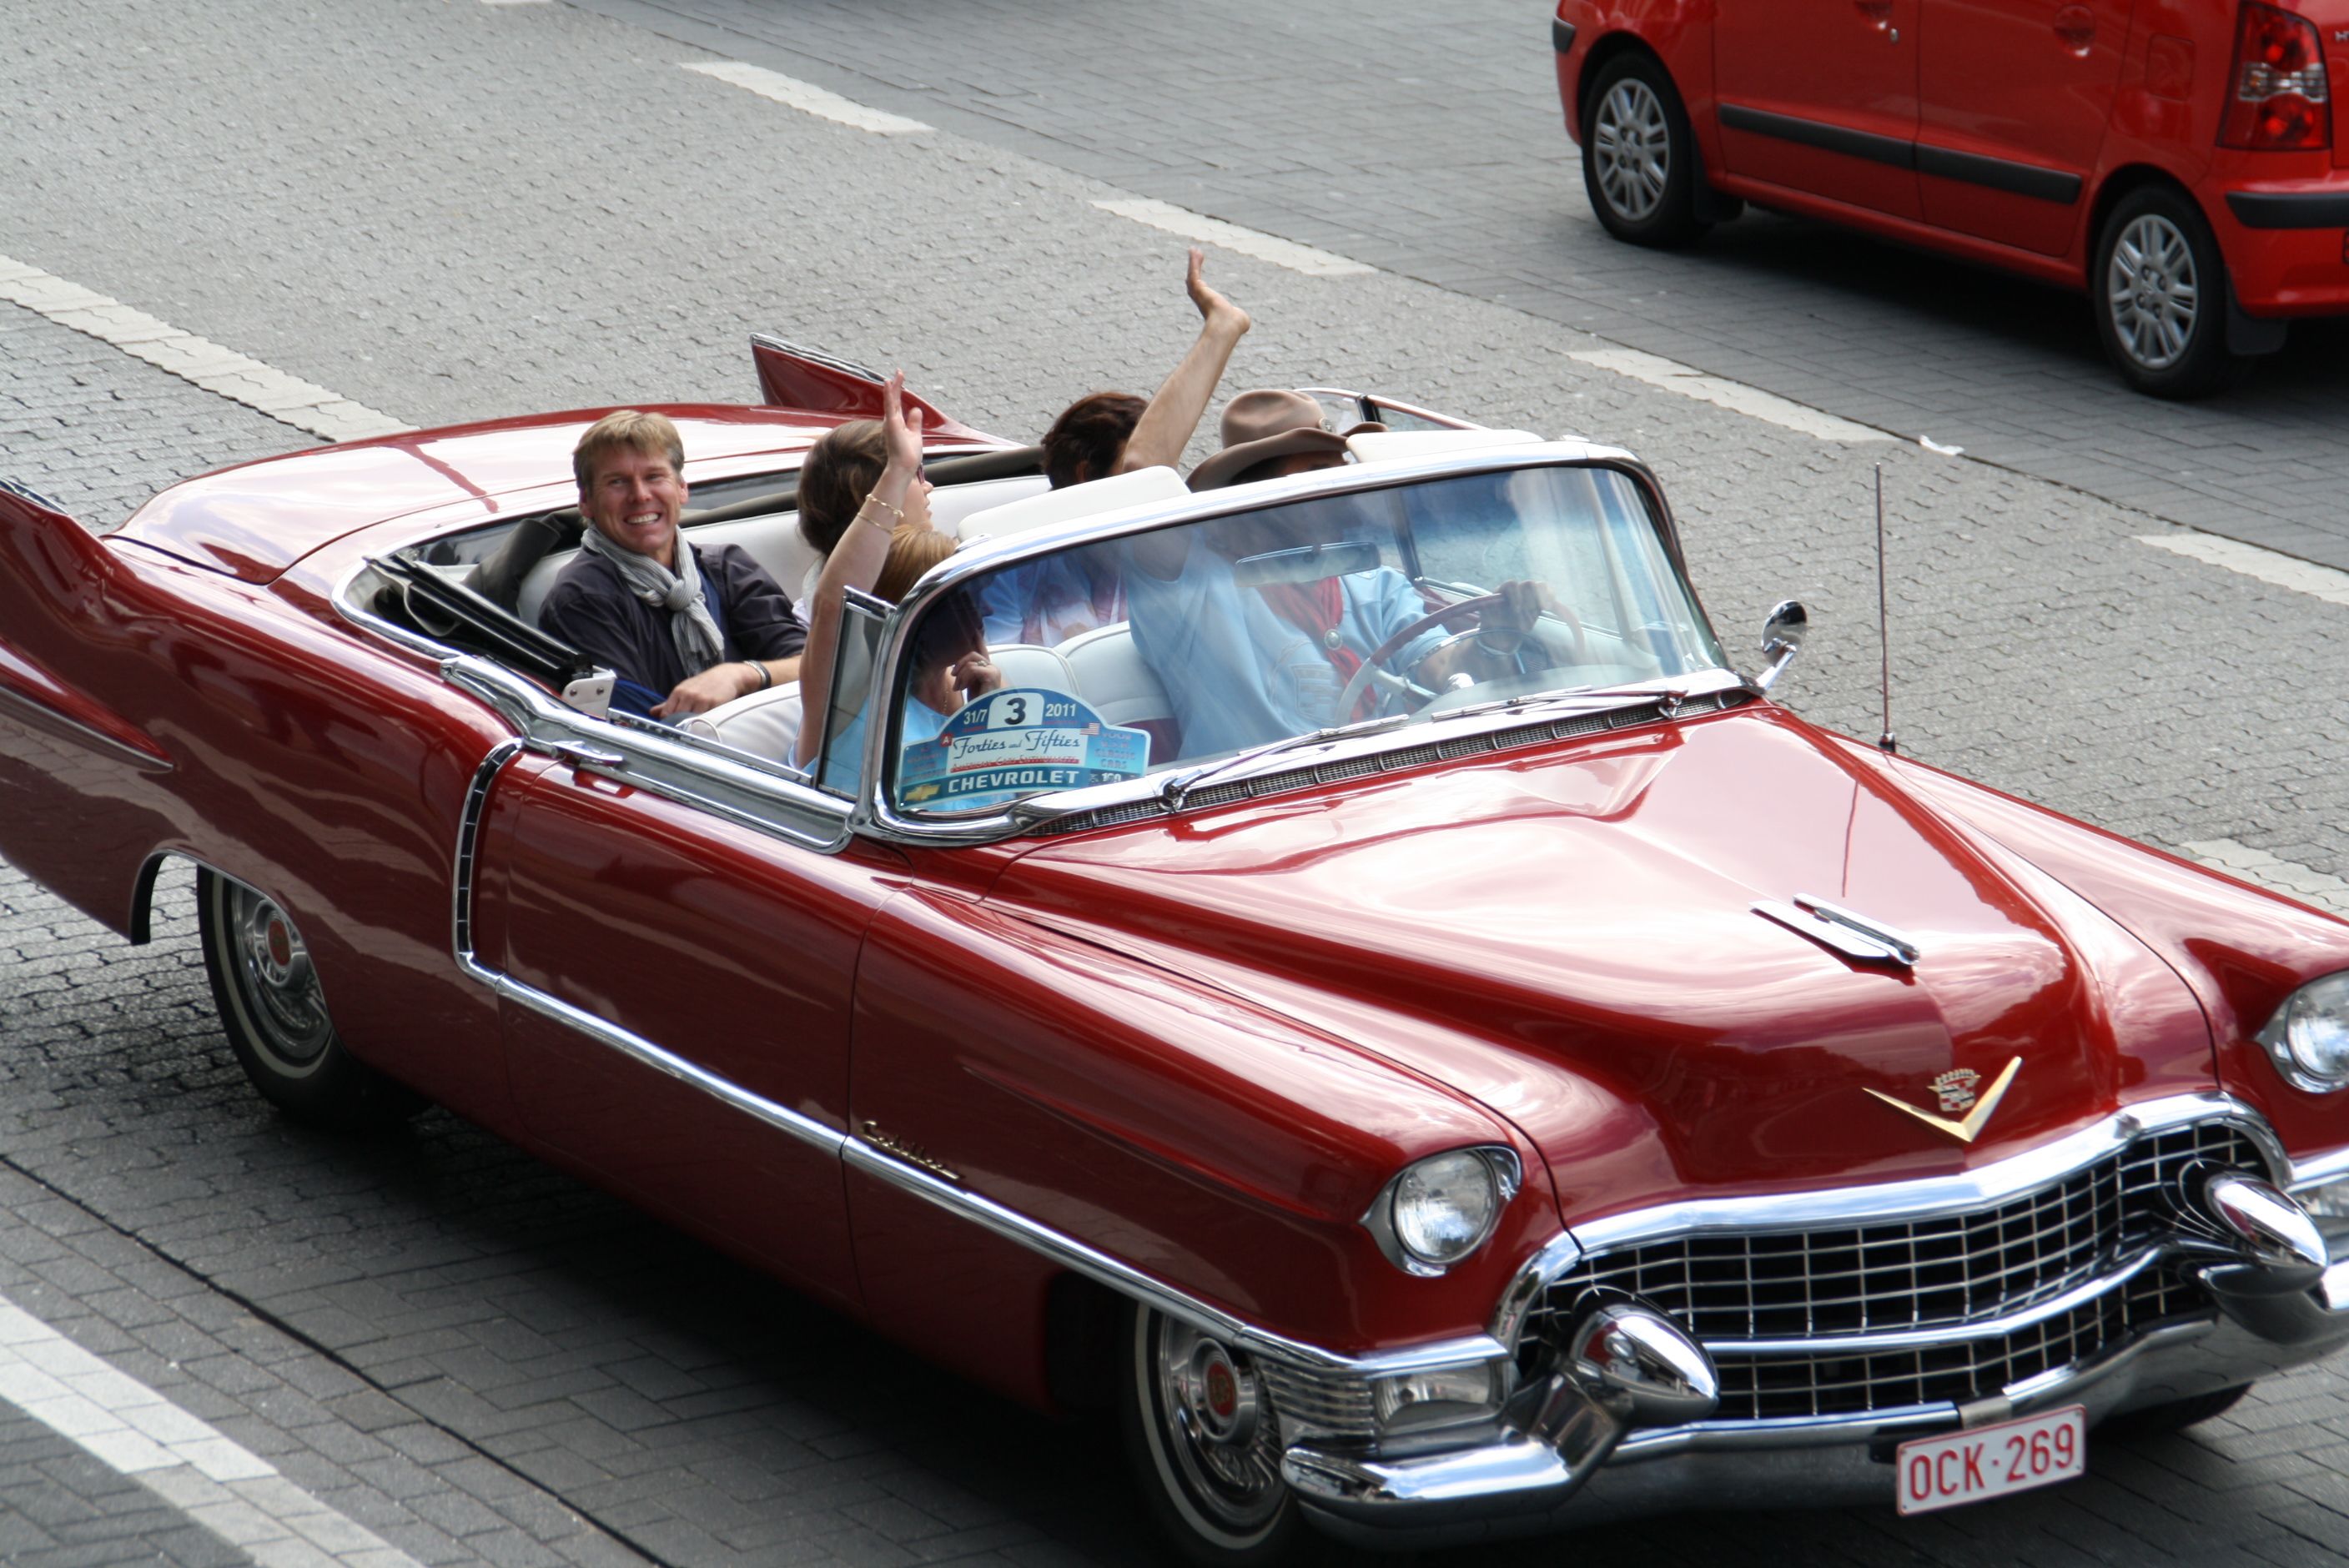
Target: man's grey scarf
(690, 624)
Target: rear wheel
(1639, 157)
(274, 1014)
(1200, 1433)
(2159, 289)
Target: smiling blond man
(684, 627)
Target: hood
(1568, 935)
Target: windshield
(1119, 659)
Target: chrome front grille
(1902, 1276)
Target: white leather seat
(764, 724)
(1027, 664)
(1088, 499)
(1112, 678)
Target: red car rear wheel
(2158, 284)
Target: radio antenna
(1883, 620)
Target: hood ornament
(1839, 930)
(1956, 1092)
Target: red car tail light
(2277, 96)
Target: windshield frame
(875, 816)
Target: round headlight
(2309, 1035)
(1445, 1206)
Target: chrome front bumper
(1526, 1482)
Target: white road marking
(2267, 565)
(807, 97)
(284, 397)
(234, 1493)
(2306, 884)
(1264, 247)
(1673, 376)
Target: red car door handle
(1878, 12)
(2076, 25)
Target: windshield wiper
(1670, 699)
(1177, 786)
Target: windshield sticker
(1010, 743)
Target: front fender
(1215, 1145)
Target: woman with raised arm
(885, 527)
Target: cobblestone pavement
(449, 210)
(1429, 140)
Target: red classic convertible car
(1435, 1075)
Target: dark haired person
(1100, 435)
(684, 628)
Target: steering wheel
(1477, 606)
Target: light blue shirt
(922, 722)
(1237, 672)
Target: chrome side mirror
(1782, 639)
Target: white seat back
(1112, 679)
(1027, 664)
(764, 724)
(1070, 501)
(774, 542)
(1379, 446)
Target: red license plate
(1991, 1462)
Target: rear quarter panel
(287, 751)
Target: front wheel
(1201, 1436)
(2159, 287)
(274, 1013)
(1639, 156)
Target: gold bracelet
(897, 511)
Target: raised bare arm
(1166, 426)
(857, 561)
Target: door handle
(1878, 12)
(2076, 25)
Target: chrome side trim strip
(1128, 1280)
(31, 711)
(1931, 1197)
(986, 1212)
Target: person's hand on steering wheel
(1503, 628)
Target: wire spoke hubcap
(1630, 146)
(1218, 1427)
(280, 988)
(2153, 291)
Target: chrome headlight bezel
(1502, 1176)
(2287, 1036)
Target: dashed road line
(2306, 884)
(1264, 247)
(2267, 565)
(286, 398)
(807, 97)
(228, 1489)
(1673, 376)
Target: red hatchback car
(2175, 157)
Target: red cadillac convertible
(1548, 1081)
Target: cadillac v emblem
(1955, 1090)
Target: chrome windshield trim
(1926, 1198)
(1949, 1334)
(874, 813)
